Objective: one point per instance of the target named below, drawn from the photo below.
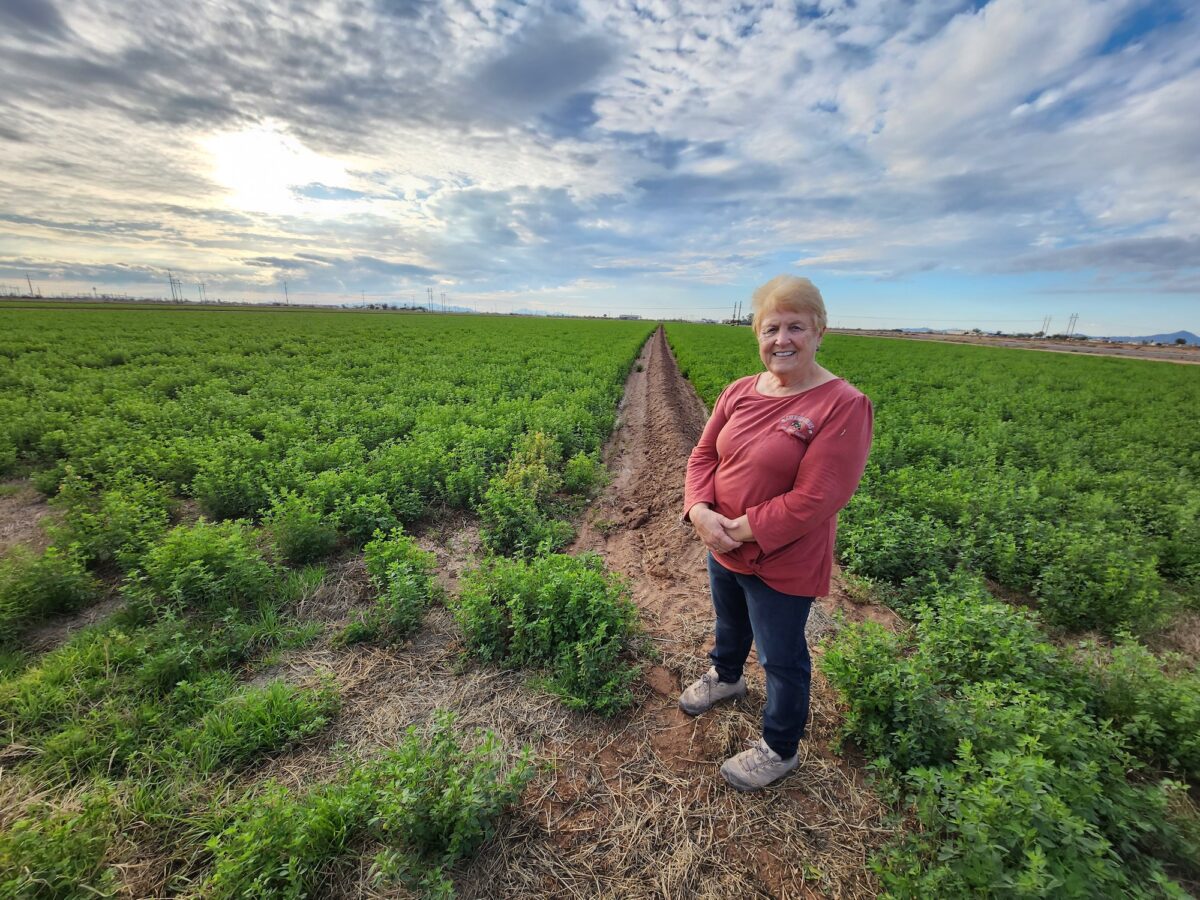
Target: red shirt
(789, 464)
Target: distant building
(628, 316)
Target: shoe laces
(763, 754)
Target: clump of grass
(562, 614)
(257, 721)
(430, 802)
(130, 698)
(33, 588)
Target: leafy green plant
(278, 844)
(299, 530)
(1016, 787)
(403, 574)
(435, 800)
(207, 564)
(115, 525)
(1158, 714)
(560, 613)
(584, 474)
(517, 513)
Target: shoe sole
(746, 787)
(695, 711)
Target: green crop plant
(300, 531)
(206, 565)
(402, 573)
(112, 525)
(986, 732)
(562, 615)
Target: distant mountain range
(1171, 338)
(1188, 337)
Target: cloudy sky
(927, 162)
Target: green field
(207, 465)
(1033, 517)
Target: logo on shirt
(800, 426)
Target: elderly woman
(783, 451)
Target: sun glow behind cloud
(262, 168)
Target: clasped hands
(719, 533)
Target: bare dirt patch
(24, 513)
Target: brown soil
(23, 514)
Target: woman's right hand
(713, 529)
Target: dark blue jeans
(750, 611)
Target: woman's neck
(793, 383)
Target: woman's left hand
(740, 530)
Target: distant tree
(1180, 341)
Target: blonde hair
(788, 292)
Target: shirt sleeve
(825, 480)
(699, 485)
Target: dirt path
(635, 523)
(24, 513)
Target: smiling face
(787, 344)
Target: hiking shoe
(757, 767)
(709, 689)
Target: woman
(783, 451)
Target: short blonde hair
(788, 292)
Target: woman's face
(787, 342)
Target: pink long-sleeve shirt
(789, 464)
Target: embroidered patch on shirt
(800, 426)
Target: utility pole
(443, 301)
(30, 283)
(1071, 326)
(286, 300)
